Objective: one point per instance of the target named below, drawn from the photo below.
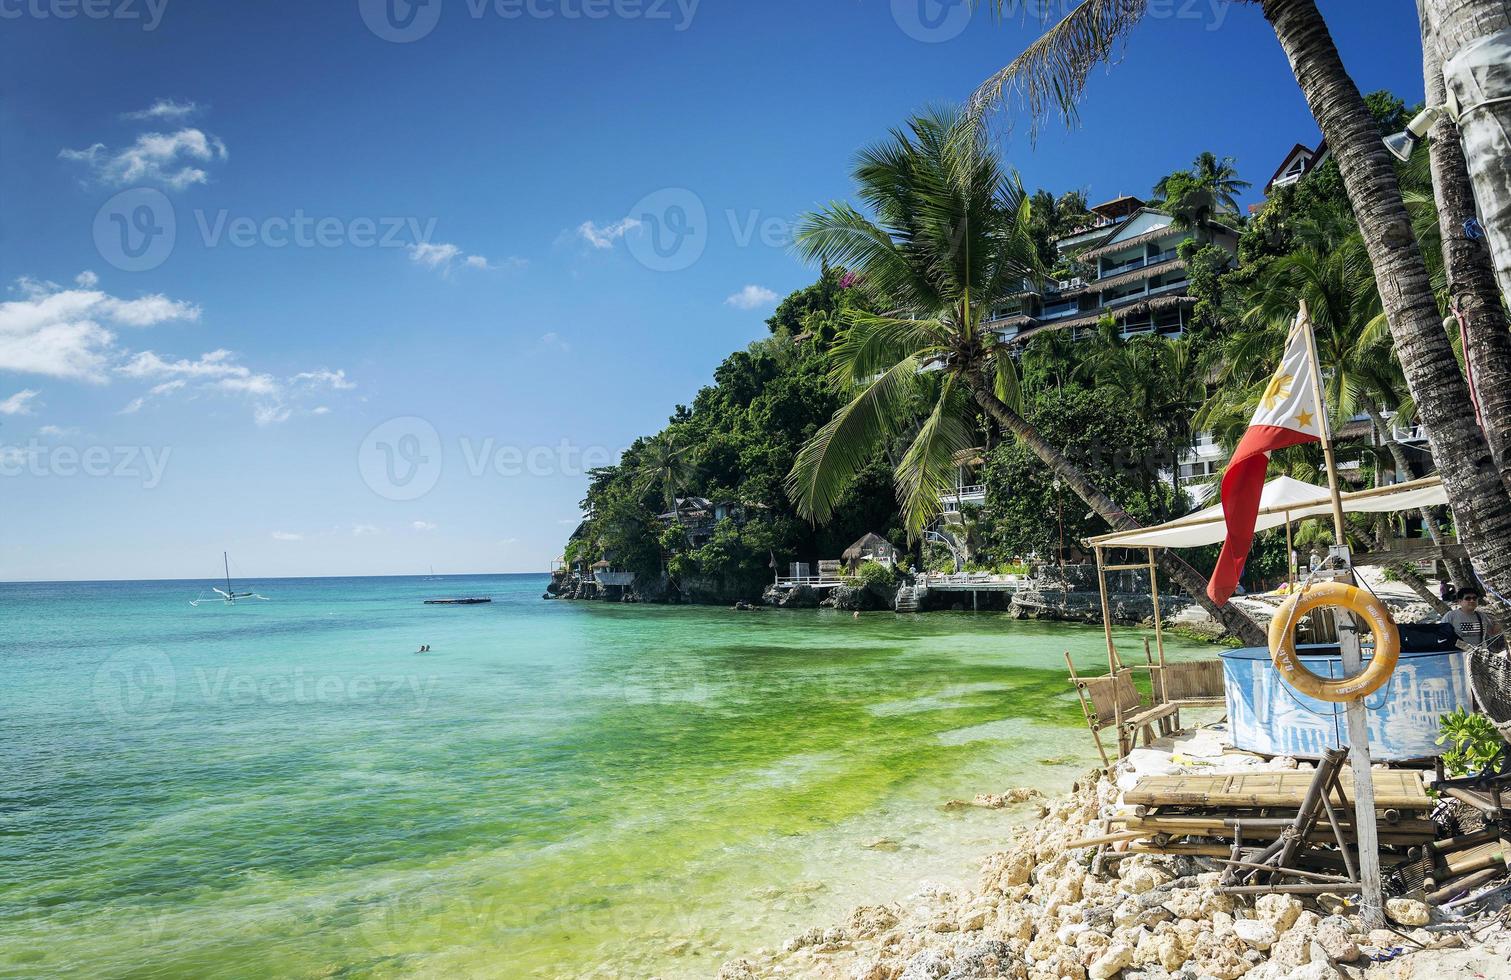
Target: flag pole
(1371, 898)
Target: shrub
(1476, 743)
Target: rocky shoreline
(1073, 599)
(1042, 910)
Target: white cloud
(433, 255)
(261, 385)
(440, 256)
(287, 536)
(604, 236)
(163, 109)
(553, 341)
(87, 279)
(271, 414)
(216, 364)
(506, 542)
(752, 298)
(365, 530)
(20, 403)
(173, 159)
(65, 333)
(423, 526)
(324, 378)
(320, 410)
(57, 431)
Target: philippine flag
(1288, 415)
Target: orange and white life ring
(1366, 607)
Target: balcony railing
(965, 495)
(1408, 433)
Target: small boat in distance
(457, 602)
(228, 595)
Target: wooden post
(1290, 556)
(1112, 655)
(1159, 635)
(1371, 898)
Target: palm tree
(1207, 191)
(1461, 29)
(665, 463)
(1050, 75)
(1468, 265)
(950, 235)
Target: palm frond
(829, 461)
(1050, 75)
(926, 471)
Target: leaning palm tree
(1050, 77)
(949, 237)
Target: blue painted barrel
(1269, 717)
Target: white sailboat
(228, 595)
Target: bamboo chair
(1111, 701)
(1193, 684)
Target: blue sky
(424, 270)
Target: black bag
(1427, 637)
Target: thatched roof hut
(872, 547)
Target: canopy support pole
(1290, 556)
(1371, 899)
(1112, 654)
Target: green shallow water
(558, 790)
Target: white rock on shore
(1039, 912)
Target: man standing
(1472, 626)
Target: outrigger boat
(228, 595)
(457, 602)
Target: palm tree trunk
(1473, 37)
(1471, 272)
(1233, 619)
(1480, 499)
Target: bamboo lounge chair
(1112, 701)
(1191, 684)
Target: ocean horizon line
(274, 578)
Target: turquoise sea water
(288, 789)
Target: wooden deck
(1394, 788)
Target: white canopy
(1283, 500)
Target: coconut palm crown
(948, 236)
